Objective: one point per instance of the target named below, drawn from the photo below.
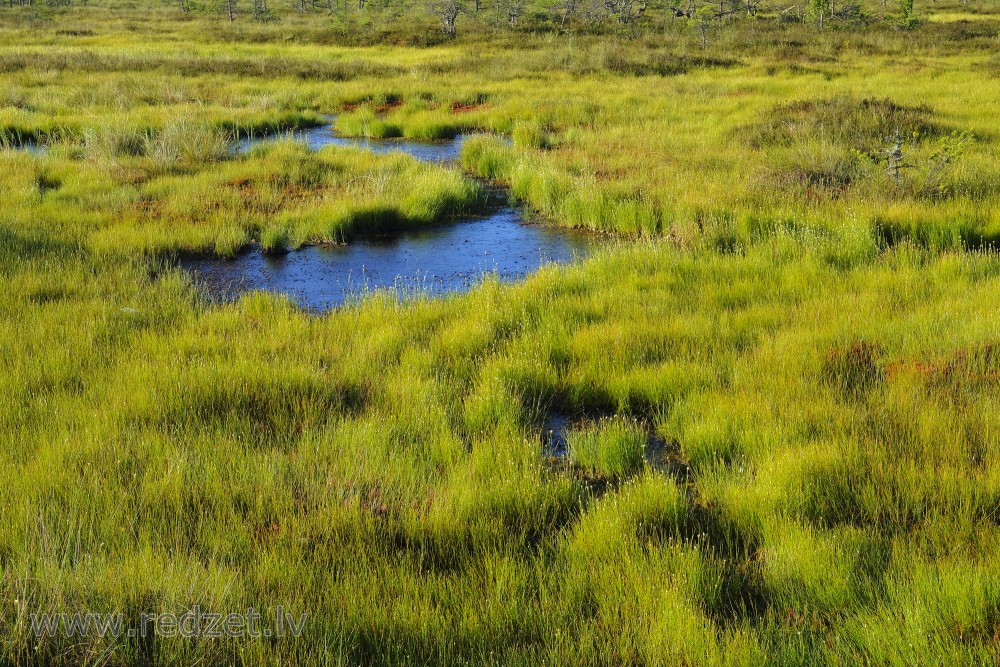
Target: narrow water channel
(433, 261)
(318, 137)
(29, 146)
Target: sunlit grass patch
(611, 447)
(843, 120)
(365, 122)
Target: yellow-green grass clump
(193, 198)
(611, 447)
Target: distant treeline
(400, 20)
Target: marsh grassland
(761, 426)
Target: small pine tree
(819, 11)
(700, 22)
(907, 19)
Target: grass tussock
(843, 119)
(614, 448)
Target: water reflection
(432, 261)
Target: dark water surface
(32, 147)
(318, 137)
(432, 261)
